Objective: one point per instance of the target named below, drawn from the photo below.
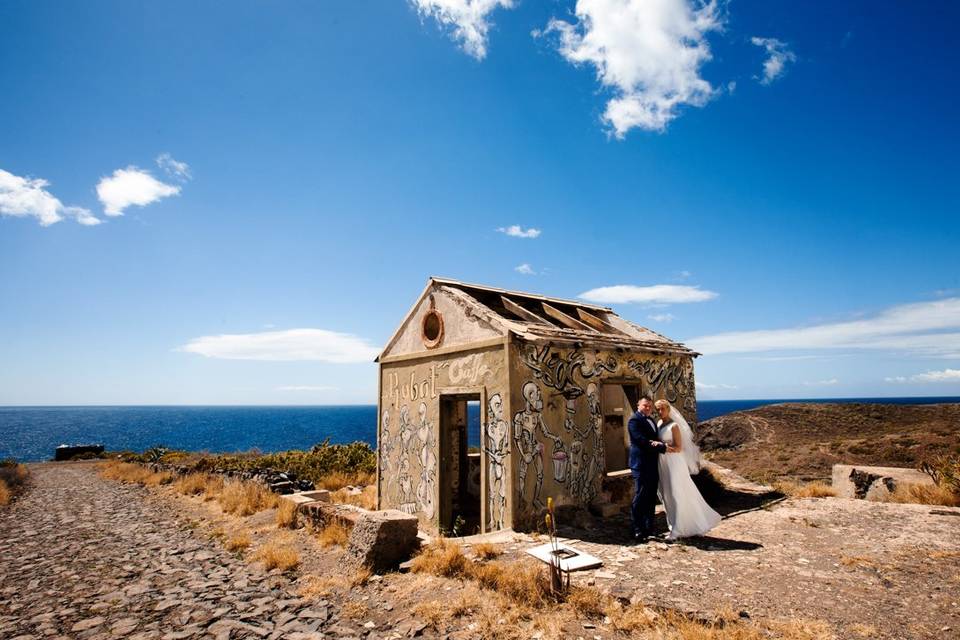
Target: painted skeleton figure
(386, 450)
(526, 423)
(498, 434)
(404, 481)
(428, 463)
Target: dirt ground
(89, 558)
(804, 440)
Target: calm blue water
(32, 433)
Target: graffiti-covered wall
(409, 441)
(557, 424)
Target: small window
(431, 330)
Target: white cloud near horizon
(468, 20)
(654, 294)
(930, 329)
(704, 385)
(318, 345)
(648, 52)
(516, 231)
(27, 197)
(778, 56)
(947, 375)
(822, 383)
(174, 168)
(131, 187)
(525, 269)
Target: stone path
(82, 557)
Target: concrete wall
(557, 421)
(409, 438)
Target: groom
(645, 446)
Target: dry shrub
(6, 495)
(441, 558)
(631, 618)
(340, 479)
(932, 494)
(277, 554)
(134, 474)
(212, 487)
(334, 534)
(13, 478)
(192, 484)
(361, 577)
(863, 630)
(238, 541)
(354, 609)
(588, 602)
(486, 551)
(524, 583)
(816, 489)
(366, 499)
(246, 498)
(287, 514)
(314, 587)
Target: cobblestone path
(83, 557)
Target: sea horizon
(30, 433)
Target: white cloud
(661, 317)
(292, 344)
(516, 231)
(649, 52)
(922, 328)
(307, 388)
(947, 375)
(822, 383)
(655, 294)
(27, 197)
(525, 269)
(131, 186)
(468, 19)
(778, 56)
(704, 385)
(174, 168)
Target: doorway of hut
(461, 464)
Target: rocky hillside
(804, 440)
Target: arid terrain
(83, 556)
(802, 441)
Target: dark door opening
(461, 466)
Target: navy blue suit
(645, 447)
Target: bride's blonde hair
(661, 403)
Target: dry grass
(355, 610)
(13, 479)
(931, 494)
(334, 534)
(339, 479)
(277, 554)
(863, 630)
(237, 542)
(361, 577)
(6, 495)
(366, 499)
(287, 514)
(246, 498)
(134, 474)
(816, 489)
(588, 602)
(192, 484)
(486, 551)
(441, 558)
(314, 587)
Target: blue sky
(182, 184)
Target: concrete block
(873, 483)
(380, 540)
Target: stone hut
(548, 385)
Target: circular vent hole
(432, 329)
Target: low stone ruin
(380, 540)
(873, 483)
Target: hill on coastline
(804, 440)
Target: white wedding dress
(688, 514)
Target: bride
(688, 514)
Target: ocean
(32, 433)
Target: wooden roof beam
(568, 321)
(520, 312)
(598, 323)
